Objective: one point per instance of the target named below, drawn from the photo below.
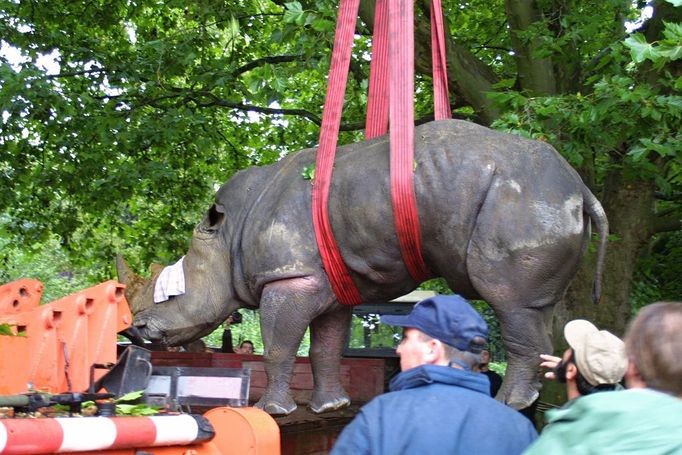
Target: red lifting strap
(394, 18)
(341, 281)
(377, 99)
(441, 100)
(401, 115)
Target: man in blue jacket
(437, 404)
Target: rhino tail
(596, 212)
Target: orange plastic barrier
(20, 295)
(63, 339)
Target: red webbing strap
(401, 94)
(377, 99)
(341, 281)
(441, 99)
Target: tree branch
(245, 16)
(499, 48)
(262, 61)
(667, 224)
(215, 101)
(676, 196)
(73, 74)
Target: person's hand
(550, 362)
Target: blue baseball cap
(448, 318)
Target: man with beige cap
(594, 362)
(646, 418)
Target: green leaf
(294, 13)
(653, 145)
(504, 83)
(671, 52)
(130, 396)
(673, 31)
(640, 49)
(308, 172)
(323, 25)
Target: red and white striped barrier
(80, 434)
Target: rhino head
(208, 296)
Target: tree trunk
(535, 75)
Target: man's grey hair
(469, 358)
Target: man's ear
(571, 371)
(434, 352)
(633, 378)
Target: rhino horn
(124, 272)
(139, 290)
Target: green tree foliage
(44, 261)
(120, 144)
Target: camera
(236, 317)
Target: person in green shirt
(646, 418)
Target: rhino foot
(326, 402)
(517, 399)
(276, 407)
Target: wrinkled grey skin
(503, 219)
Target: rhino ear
(215, 215)
(125, 274)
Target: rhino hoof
(516, 400)
(274, 408)
(331, 405)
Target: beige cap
(599, 355)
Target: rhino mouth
(148, 329)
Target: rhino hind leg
(523, 252)
(523, 291)
(329, 334)
(525, 337)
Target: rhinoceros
(503, 219)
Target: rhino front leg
(329, 336)
(287, 308)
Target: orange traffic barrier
(62, 340)
(20, 295)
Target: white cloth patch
(171, 282)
